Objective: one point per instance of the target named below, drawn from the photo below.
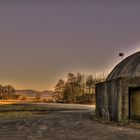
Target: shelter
(118, 98)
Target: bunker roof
(129, 67)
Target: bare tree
(89, 82)
(59, 89)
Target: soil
(74, 123)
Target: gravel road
(74, 123)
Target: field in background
(5, 102)
(12, 108)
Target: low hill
(33, 93)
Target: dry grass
(12, 108)
(5, 102)
(27, 108)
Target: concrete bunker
(118, 98)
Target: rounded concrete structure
(129, 67)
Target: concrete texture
(112, 96)
(129, 67)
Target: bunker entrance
(134, 103)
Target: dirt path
(64, 125)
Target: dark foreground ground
(73, 122)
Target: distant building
(118, 98)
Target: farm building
(118, 98)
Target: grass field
(22, 108)
(29, 108)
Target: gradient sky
(42, 40)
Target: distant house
(118, 98)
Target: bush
(24, 98)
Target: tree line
(77, 88)
(7, 92)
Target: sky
(43, 40)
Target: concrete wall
(112, 98)
(126, 85)
(107, 100)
